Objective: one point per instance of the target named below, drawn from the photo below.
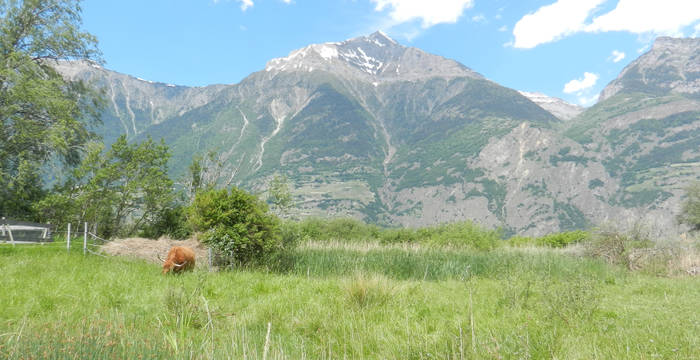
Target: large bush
(236, 224)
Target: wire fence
(94, 244)
(91, 242)
(81, 237)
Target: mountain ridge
(432, 142)
(375, 58)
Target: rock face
(393, 135)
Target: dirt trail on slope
(149, 249)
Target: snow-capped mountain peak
(375, 58)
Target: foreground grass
(338, 302)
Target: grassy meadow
(349, 300)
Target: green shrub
(557, 240)
(236, 224)
(292, 234)
(520, 241)
(399, 236)
(461, 234)
(563, 239)
(338, 229)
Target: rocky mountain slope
(672, 66)
(558, 107)
(391, 134)
(645, 130)
(135, 104)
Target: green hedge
(557, 240)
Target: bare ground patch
(149, 249)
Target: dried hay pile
(149, 249)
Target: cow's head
(172, 266)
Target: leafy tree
(170, 221)
(279, 194)
(124, 190)
(690, 211)
(236, 223)
(203, 174)
(40, 111)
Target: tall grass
(344, 302)
(436, 264)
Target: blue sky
(565, 48)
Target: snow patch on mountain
(361, 60)
(556, 106)
(371, 58)
(296, 58)
(327, 51)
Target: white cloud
(503, 28)
(666, 17)
(617, 56)
(552, 22)
(287, 1)
(479, 18)
(245, 4)
(578, 85)
(430, 13)
(587, 100)
(566, 17)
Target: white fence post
(68, 239)
(45, 233)
(85, 240)
(9, 231)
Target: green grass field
(330, 301)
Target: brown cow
(180, 258)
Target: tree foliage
(690, 211)
(41, 113)
(236, 224)
(279, 194)
(203, 173)
(121, 191)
